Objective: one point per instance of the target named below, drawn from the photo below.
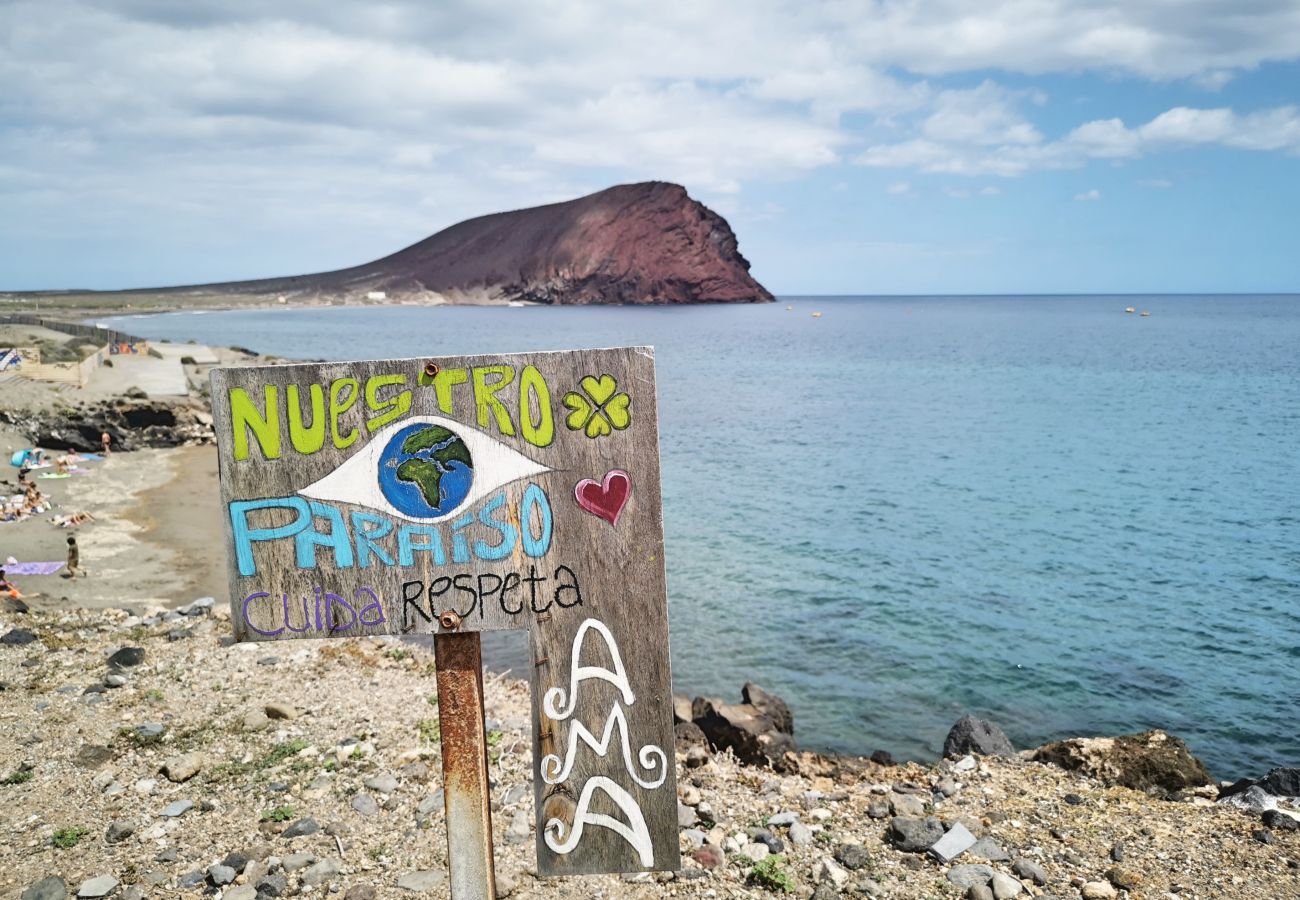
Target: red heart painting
(604, 499)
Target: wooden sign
(466, 494)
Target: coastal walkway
(202, 354)
(156, 377)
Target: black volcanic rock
(632, 243)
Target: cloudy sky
(894, 146)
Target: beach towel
(32, 568)
(53, 475)
(91, 457)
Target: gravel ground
(83, 796)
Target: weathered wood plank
(518, 491)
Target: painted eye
(424, 469)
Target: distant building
(376, 295)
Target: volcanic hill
(632, 243)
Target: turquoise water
(1039, 509)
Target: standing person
(105, 440)
(74, 557)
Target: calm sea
(1038, 509)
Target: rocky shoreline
(144, 755)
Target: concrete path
(201, 354)
(156, 377)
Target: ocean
(1041, 510)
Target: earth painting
(425, 471)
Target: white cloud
(321, 118)
(1089, 195)
(899, 187)
(1275, 129)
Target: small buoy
(816, 315)
(1145, 313)
(1129, 309)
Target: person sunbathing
(73, 519)
(8, 588)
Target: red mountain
(633, 243)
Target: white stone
(830, 871)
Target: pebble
(1280, 821)
(430, 804)
(763, 836)
(384, 784)
(183, 767)
(506, 885)
(685, 816)
(190, 879)
(178, 808)
(365, 805)
(277, 710)
(1125, 879)
(240, 892)
(989, 850)
(118, 831)
(51, 887)
(114, 681)
(301, 828)
(1029, 869)
(150, 730)
(968, 875)
(907, 805)
(424, 880)
(800, 834)
(755, 852)
(783, 818)
(146, 786)
(828, 871)
(878, 809)
(100, 886)
(255, 720)
(321, 872)
(367, 892)
(220, 874)
(127, 656)
(1004, 886)
(17, 637)
(915, 835)
(852, 856)
(518, 831)
(710, 856)
(965, 764)
(134, 892)
(295, 861)
(272, 886)
(979, 892)
(1098, 890)
(694, 837)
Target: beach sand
(157, 538)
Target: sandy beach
(156, 537)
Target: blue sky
(896, 146)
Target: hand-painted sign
(471, 494)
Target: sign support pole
(466, 792)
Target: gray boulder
(744, 730)
(913, 834)
(972, 735)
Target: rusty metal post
(466, 795)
